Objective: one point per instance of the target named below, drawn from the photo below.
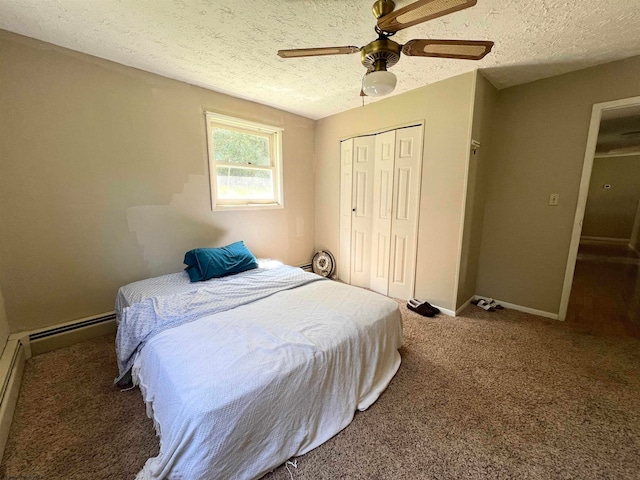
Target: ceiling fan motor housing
(383, 7)
(380, 49)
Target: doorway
(602, 280)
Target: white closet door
(346, 206)
(362, 194)
(382, 210)
(404, 222)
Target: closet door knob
(353, 209)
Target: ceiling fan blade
(421, 11)
(461, 49)
(316, 52)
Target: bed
(241, 373)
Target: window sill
(249, 207)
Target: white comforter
(235, 394)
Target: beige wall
(540, 138)
(610, 213)
(445, 107)
(103, 180)
(483, 112)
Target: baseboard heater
(307, 267)
(71, 327)
(11, 369)
(19, 349)
(21, 346)
(66, 334)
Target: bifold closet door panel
(379, 200)
(346, 207)
(382, 210)
(362, 214)
(406, 204)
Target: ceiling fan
(384, 53)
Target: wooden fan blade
(421, 11)
(462, 49)
(316, 52)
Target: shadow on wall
(166, 232)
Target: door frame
(590, 152)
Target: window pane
(242, 148)
(244, 184)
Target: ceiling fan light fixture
(383, 53)
(379, 83)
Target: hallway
(605, 297)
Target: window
(245, 163)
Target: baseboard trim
(69, 333)
(446, 311)
(532, 311)
(465, 305)
(11, 370)
(520, 308)
(620, 241)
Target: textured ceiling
(230, 45)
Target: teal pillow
(206, 263)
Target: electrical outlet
(554, 199)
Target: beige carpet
(491, 395)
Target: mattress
(236, 393)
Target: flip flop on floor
(494, 304)
(482, 303)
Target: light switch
(554, 199)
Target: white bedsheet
(235, 394)
(174, 283)
(145, 319)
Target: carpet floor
(491, 395)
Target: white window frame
(274, 134)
